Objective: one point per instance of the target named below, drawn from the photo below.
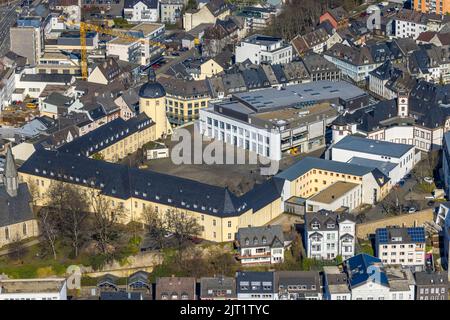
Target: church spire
(10, 174)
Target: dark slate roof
(365, 145)
(310, 279)
(361, 268)
(400, 235)
(222, 287)
(57, 99)
(15, 209)
(246, 278)
(153, 4)
(152, 90)
(123, 182)
(254, 235)
(106, 135)
(323, 217)
(46, 77)
(301, 167)
(425, 278)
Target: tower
(152, 102)
(10, 176)
(402, 105)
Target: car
(428, 180)
(412, 210)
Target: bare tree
(106, 219)
(49, 227)
(183, 226)
(155, 224)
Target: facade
(404, 246)
(329, 235)
(431, 285)
(175, 288)
(247, 120)
(218, 288)
(141, 10)
(433, 6)
(401, 283)
(320, 68)
(27, 38)
(17, 220)
(443, 220)
(209, 13)
(263, 49)
(260, 244)
(411, 23)
(394, 159)
(256, 285)
(184, 99)
(33, 289)
(257, 18)
(170, 10)
(339, 196)
(298, 285)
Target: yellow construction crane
(85, 27)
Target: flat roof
(299, 94)
(385, 148)
(31, 285)
(384, 166)
(333, 192)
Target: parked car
(428, 180)
(412, 210)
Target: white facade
(275, 52)
(405, 254)
(141, 12)
(378, 86)
(33, 289)
(262, 254)
(7, 86)
(371, 291)
(408, 29)
(352, 199)
(171, 10)
(354, 72)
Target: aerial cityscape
(230, 150)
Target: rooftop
(333, 192)
(365, 145)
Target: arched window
(247, 241)
(264, 240)
(24, 229)
(255, 240)
(6, 233)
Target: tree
(106, 218)
(49, 227)
(69, 206)
(183, 226)
(16, 248)
(156, 226)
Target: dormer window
(247, 241)
(315, 225)
(330, 225)
(255, 240)
(264, 240)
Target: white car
(412, 210)
(428, 180)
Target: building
(55, 105)
(27, 38)
(395, 160)
(114, 140)
(209, 13)
(367, 278)
(320, 68)
(339, 196)
(257, 18)
(141, 10)
(251, 285)
(328, 235)
(184, 99)
(33, 289)
(17, 220)
(7, 86)
(401, 283)
(263, 49)
(431, 285)
(170, 10)
(443, 220)
(382, 78)
(175, 288)
(411, 23)
(298, 285)
(418, 119)
(142, 50)
(337, 17)
(218, 288)
(404, 246)
(433, 6)
(335, 285)
(261, 244)
(271, 121)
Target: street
(8, 17)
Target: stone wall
(363, 230)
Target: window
(24, 229)
(6, 233)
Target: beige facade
(155, 109)
(209, 69)
(217, 229)
(19, 231)
(204, 15)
